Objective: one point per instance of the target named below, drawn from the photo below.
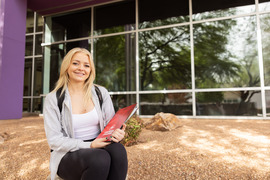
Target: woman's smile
(79, 69)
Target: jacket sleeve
(107, 106)
(57, 139)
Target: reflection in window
(234, 103)
(37, 105)
(38, 76)
(38, 48)
(115, 62)
(57, 53)
(26, 104)
(265, 24)
(29, 45)
(175, 103)
(264, 5)
(267, 98)
(165, 59)
(121, 101)
(70, 26)
(164, 13)
(202, 10)
(30, 22)
(225, 53)
(27, 77)
(39, 23)
(115, 17)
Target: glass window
(57, 53)
(121, 101)
(225, 53)
(267, 98)
(175, 103)
(29, 45)
(39, 23)
(69, 26)
(38, 76)
(38, 48)
(202, 10)
(153, 13)
(30, 21)
(26, 104)
(264, 5)
(115, 17)
(37, 105)
(27, 77)
(265, 24)
(115, 62)
(165, 59)
(229, 103)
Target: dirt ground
(200, 149)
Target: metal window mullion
(92, 31)
(147, 29)
(260, 55)
(137, 54)
(33, 64)
(192, 61)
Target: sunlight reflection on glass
(225, 53)
(264, 6)
(222, 12)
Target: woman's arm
(57, 137)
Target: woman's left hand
(118, 134)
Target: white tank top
(86, 126)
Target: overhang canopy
(46, 7)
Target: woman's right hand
(100, 143)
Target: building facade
(195, 59)
(33, 66)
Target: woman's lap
(108, 163)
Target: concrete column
(12, 50)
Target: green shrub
(133, 130)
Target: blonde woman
(71, 131)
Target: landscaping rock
(163, 122)
(3, 137)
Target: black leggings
(86, 164)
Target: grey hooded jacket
(59, 128)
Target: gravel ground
(200, 149)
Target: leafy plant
(133, 130)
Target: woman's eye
(75, 63)
(87, 66)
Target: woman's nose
(81, 67)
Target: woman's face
(79, 68)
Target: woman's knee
(98, 165)
(116, 147)
(100, 159)
(116, 151)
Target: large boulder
(163, 122)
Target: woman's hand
(100, 143)
(118, 134)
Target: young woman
(71, 132)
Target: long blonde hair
(64, 77)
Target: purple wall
(12, 50)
